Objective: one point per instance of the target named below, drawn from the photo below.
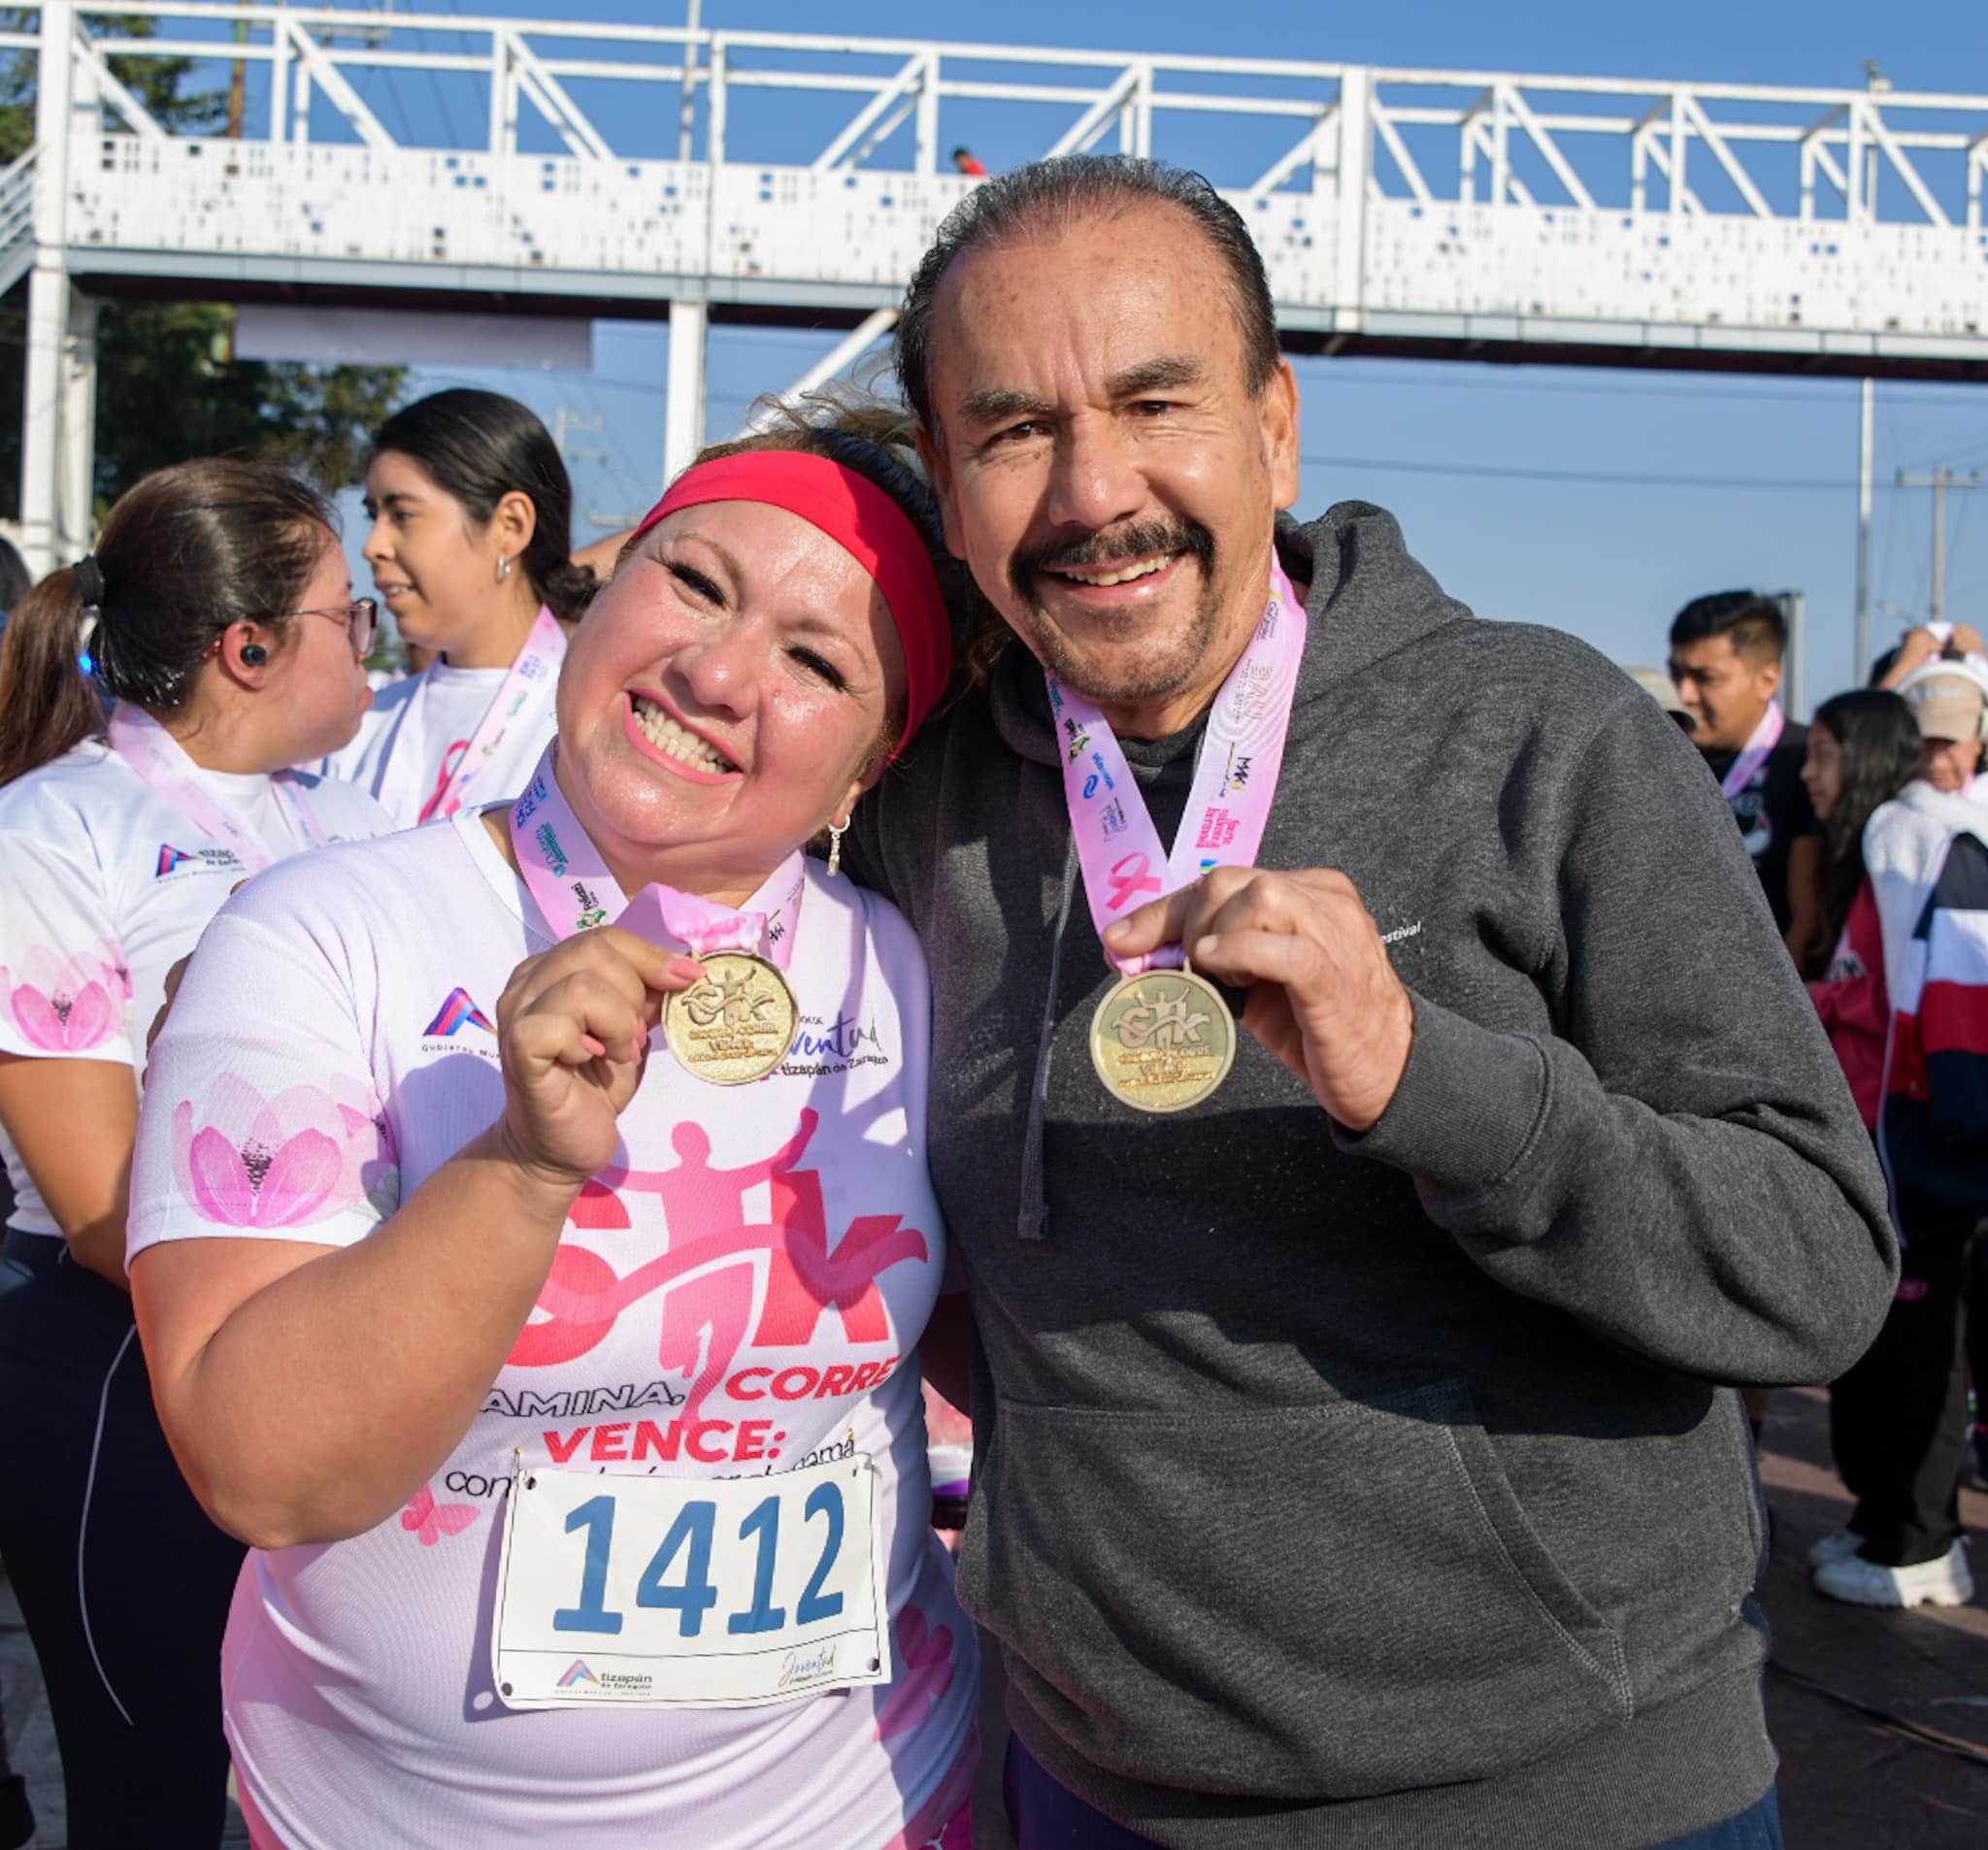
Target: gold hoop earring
(836, 832)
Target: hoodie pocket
(1290, 1603)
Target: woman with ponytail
(472, 515)
(218, 612)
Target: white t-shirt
(357, 1674)
(435, 727)
(108, 885)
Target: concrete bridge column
(58, 420)
(76, 444)
(44, 397)
(683, 407)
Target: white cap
(1948, 698)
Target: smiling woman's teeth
(1124, 575)
(669, 739)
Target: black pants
(122, 1580)
(1977, 1340)
(1898, 1419)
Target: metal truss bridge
(559, 167)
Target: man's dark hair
(1755, 623)
(1051, 194)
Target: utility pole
(1795, 615)
(1940, 481)
(565, 422)
(1865, 449)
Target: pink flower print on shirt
(364, 1120)
(290, 1161)
(925, 1655)
(68, 1005)
(111, 956)
(431, 1521)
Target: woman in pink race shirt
(532, 1234)
(217, 610)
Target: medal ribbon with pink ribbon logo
(533, 680)
(1235, 779)
(569, 879)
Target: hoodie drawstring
(1033, 1222)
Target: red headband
(865, 524)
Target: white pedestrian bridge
(389, 159)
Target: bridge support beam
(684, 406)
(1355, 168)
(76, 443)
(58, 421)
(59, 392)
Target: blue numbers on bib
(827, 1500)
(762, 1615)
(597, 1517)
(696, 1596)
(691, 1536)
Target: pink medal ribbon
(1235, 779)
(576, 892)
(1766, 736)
(161, 761)
(532, 679)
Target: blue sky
(1510, 481)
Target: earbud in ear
(254, 655)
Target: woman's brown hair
(184, 553)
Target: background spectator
(1899, 1418)
(1948, 698)
(1726, 653)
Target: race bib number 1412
(662, 1593)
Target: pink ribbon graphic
(1235, 778)
(1129, 886)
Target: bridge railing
(16, 220)
(606, 93)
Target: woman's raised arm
(309, 1390)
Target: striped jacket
(1926, 853)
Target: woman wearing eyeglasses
(471, 514)
(219, 612)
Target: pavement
(1881, 1718)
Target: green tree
(167, 384)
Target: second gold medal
(735, 1025)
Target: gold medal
(1163, 1040)
(736, 1023)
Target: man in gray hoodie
(1357, 1460)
